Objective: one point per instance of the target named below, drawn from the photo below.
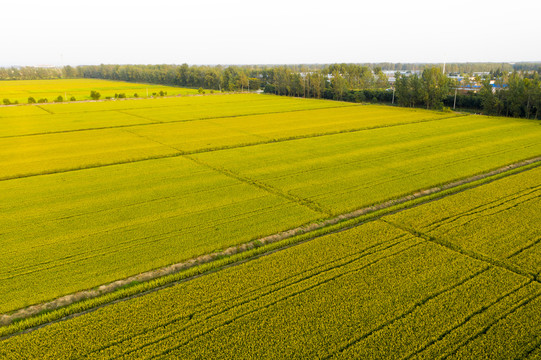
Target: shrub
(59, 99)
(73, 98)
(31, 100)
(135, 95)
(6, 101)
(95, 95)
(43, 100)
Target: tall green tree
(435, 87)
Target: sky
(58, 32)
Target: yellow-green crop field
(95, 192)
(21, 90)
(376, 291)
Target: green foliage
(94, 95)
(31, 100)
(59, 99)
(42, 100)
(73, 98)
(6, 101)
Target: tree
(254, 83)
(31, 100)
(95, 95)
(488, 99)
(403, 91)
(6, 101)
(515, 94)
(339, 85)
(381, 80)
(435, 87)
(59, 98)
(243, 81)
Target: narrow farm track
(496, 320)
(66, 300)
(409, 311)
(478, 312)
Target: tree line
(518, 93)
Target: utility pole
(393, 94)
(454, 104)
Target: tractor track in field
(8, 318)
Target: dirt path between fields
(6, 319)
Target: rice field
(95, 192)
(21, 90)
(374, 291)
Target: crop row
(374, 291)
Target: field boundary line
(469, 253)
(46, 110)
(241, 253)
(263, 186)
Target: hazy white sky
(59, 32)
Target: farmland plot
(499, 220)
(62, 151)
(21, 90)
(344, 172)
(28, 120)
(67, 232)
